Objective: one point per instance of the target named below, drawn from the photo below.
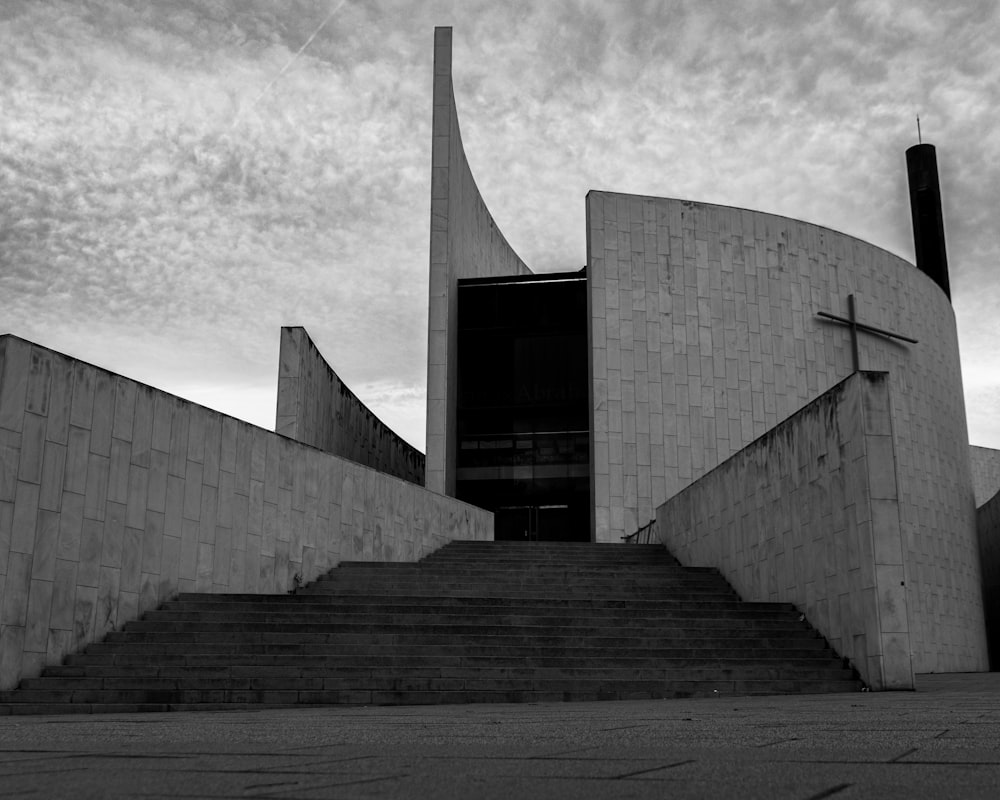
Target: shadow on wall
(988, 525)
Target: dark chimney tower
(928, 222)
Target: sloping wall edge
(809, 514)
(114, 496)
(317, 408)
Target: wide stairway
(475, 622)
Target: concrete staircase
(473, 622)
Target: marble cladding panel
(988, 522)
(808, 514)
(115, 496)
(316, 408)
(706, 333)
(985, 472)
(465, 243)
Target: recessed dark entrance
(522, 412)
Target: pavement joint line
(901, 756)
(60, 770)
(269, 785)
(830, 792)
(621, 728)
(561, 755)
(652, 769)
(340, 784)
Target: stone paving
(941, 741)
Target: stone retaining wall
(809, 514)
(114, 496)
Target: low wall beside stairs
(809, 514)
(988, 524)
(114, 496)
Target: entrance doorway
(522, 420)
(547, 523)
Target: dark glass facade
(522, 412)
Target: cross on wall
(852, 322)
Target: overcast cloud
(169, 197)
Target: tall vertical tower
(928, 221)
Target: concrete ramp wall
(809, 514)
(114, 496)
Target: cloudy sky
(172, 191)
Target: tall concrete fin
(465, 242)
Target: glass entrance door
(515, 524)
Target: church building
(703, 328)
(764, 396)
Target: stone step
(228, 663)
(527, 561)
(644, 577)
(687, 648)
(308, 691)
(418, 606)
(425, 679)
(516, 569)
(675, 626)
(200, 621)
(251, 700)
(562, 578)
(492, 614)
(582, 603)
(560, 548)
(445, 636)
(539, 591)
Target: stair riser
(695, 648)
(483, 626)
(468, 642)
(429, 680)
(223, 602)
(280, 613)
(326, 622)
(572, 691)
(259, 666)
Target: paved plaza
(940, 741)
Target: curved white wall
(705, 334)
(465, 243)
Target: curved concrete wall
(465, 243)
(705, 334)
(315, 407)
(985, 472)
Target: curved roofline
(757, 211)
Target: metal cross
(852, 322)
